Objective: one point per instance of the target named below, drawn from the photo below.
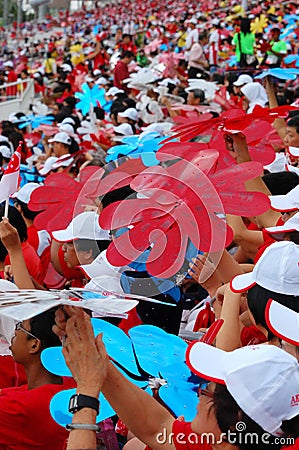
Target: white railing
(16, 97)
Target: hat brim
(294, 151)
(279, 232)
(63, 235)
(281, 203)
(243, 282)
(283, 322)
(206, 361)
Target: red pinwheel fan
(57, 200)
(181, 202)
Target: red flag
(10, 179)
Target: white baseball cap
(283, 322)
(63, 161)
(102, 81)
(97, 72)
(89, 79)
(287, 202)
(69, 120)
(66, 67)
(8, 64)
(124, 129)
(130, 113)
(48, 166)
(84, 226)
(101, 267)
(243, 79)
(5, 150)
(294, 151)
(114, 91)
(67, 127)
(277, 270)
(62, 137)
(290, 225)
(25, 192)
(262, 379)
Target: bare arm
(279, 124)
(142, 414)
(237, 145)
(228, 338)
(10, 239)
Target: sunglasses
(205, 392)
(19, 327)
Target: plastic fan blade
(155, 349)
(236, 175)
(210, 336)
(53, 360)
(180, 399)
(128, 212)
(245, 203)
(59, 408)
(168, 253)
(257, 131)
(149, 159)
(117, 343)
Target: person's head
(63, 144)
(17, 221)
(275, 33)
(32, 336)
(127, 57)
(245, 25)
(292, 132)
(21, 199)
(126, 38)
(254, 94)
(240, 82)
(203, 37)
(280, 183)
(195, 97)
(83, 239)
(252, 397)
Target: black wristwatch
(79, 401)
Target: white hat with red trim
(283, 322)
(277, 270)
(294, 151)
(84, 226)
(263, 380)
(287, 202)
(290, 225)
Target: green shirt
(247, 43)
(279, 47)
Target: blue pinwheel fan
(147, 357)
(290, 59)
(34, 121)
(91, 97)
(281, 74)
(144, 147)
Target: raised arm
(10, 239)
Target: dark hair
(128, 54)
(245, 25)
(41, 327)
(27, 213)
(17, 221)
(257, 299)
(70, 101)
(199, 93)
(89, 244)
(280, 183)
(294, 122)
(228, 413)
(116, 195)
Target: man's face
(275, 35)
(191, 100)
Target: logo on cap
(295, 400)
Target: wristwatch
(79, 401)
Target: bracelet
(82, 426)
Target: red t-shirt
(184, 438)
(25, 419)
(121, 73)
(11, 373)
(32, 262)
(40, 241)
